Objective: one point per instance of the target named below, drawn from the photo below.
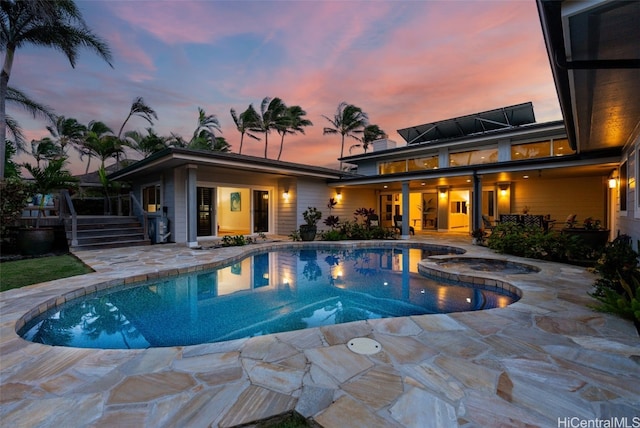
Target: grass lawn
(19, 273)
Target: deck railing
(139, 212)
(67, 209)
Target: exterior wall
(352, 199)
(583, 196)
(286, 209)
(312, 193)
(628, 222)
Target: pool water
(261, 294)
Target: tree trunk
(281, 145)
(4, 85)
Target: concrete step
(110, 239)
(115, 244)
(106, 232)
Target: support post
(192, 206)
(405, 210)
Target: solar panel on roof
(501, 118)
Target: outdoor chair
(510, 218)
(533, 221)
(397, 221)
(487, 224)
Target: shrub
(14, 194)
(625, 304)
(617, 264)
(531, 242)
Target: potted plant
(477, 236)
(310, 228)
(39, 240)
(590, 234)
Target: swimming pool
(264, 293)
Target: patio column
(405, 210)
(192, 206)
(476, 220)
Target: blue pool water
(264, 293)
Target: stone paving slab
(545, 357)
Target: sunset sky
(404, 63)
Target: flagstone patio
(541, 361)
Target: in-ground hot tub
(488, 265)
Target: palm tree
(273, 115)
(45, 150)
(295, 123)
(247, 121)
(221, 145)
(100, 141)
(369, 135)
(34, 108)
(57, 24)
(146, 145)
(207, 124)
(140, 109)
(68, 131)
(349, 121)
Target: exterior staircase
(96, 232)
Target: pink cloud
(404, 63)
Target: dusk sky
(404, 63)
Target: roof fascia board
(188, 156)
(255, 167)
(517, 166)
(551, 24)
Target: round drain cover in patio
(364, 346)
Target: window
(418, 164)
(561, 147)
(473, 157)
(531, 150)
(392, 167)
(151, 198)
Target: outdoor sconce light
(613, 183)
(503, 189)
(339, 196)
(285, 195)
(442, 191)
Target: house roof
(477, 123)
(175, 157)
(595, 60)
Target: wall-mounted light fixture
(285, 195)
(503, 189)
(265, 196)
(613, 183)
(338, 195)
(442, 191)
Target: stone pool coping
(545, 357)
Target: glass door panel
(205, 211)
(260, 211)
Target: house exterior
(205, 195)
(449, 175)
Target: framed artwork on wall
(236, 202)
